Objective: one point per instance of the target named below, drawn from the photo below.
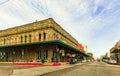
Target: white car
(113, 61)
(84, 61)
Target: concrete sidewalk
(7, 68)
(34, 71)
(5, 71)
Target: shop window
(39, 54)
(23, 53)
(54, 53)
(46, 54)
(2, 54)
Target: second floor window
(30, 38)
(4, 41)
(21, 40)
(25, 38)
(44, 35)
(0, 42)
(39, 37)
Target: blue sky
(95, 23)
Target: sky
(95, 23)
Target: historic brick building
(37, 41)
(115, 52)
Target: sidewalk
(6, 68)
(34, 71)
(5, 71)
(111, 65)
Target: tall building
(40, 40)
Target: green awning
(58, 42)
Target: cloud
(3, 2)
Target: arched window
(39, 36)
(0, 41)
(30, 38)
(21, 39)
(54, 36)
(25, 38)
(44, 35)
(15, 40)
(4, 41)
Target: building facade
(40, 40)
(115, 52)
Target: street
(92, 69)
(79, 69)
(95, 69)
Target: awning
(114, 50)
(58, 42)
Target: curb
(6, 63)
(34, 63)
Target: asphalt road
(95, 69)
(89, 69)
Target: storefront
(40, 41)
(49, 51)
(115, 54)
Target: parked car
(73, 61)
(106, 60)
(84, 61)
(112, 61)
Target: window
(38, 54)
(23, 53)
(25, 38)
(21, 39)
(46, 54)
(0, 42)
(39, 37)
(4, 41)
(44, 35)
(11, 40)
(15, 40)
(30, 38)
(54, 36)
